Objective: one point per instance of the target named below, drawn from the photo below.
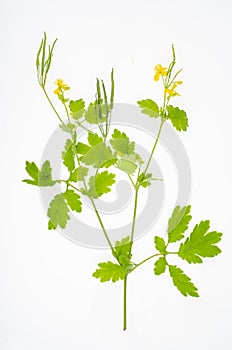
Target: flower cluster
(169, 88)
(61, 87)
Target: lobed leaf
(68, 155)
(43, 177)
(77, 108)
(79, 174)
(73, 200)
(121, 143)
(145, 179)
(109, 271)
(200, 244)
(160, 266)
(122, 250)
(100, 184)
(160, 244)
(127, 165)
(94, 139)
(149, 107)
(58, 211)
(182, 282)
(178, 118)
(178, 223)
(98, 155)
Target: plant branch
(134, 214)
(51, 104)
(154, 147)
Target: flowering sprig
(120, 152)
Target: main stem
(125, 278)
(124, 302)
(133, 226)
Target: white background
(48, 299)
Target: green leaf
(73, 200)
(58, 211)
(51, 226)
(178, 118)
(100, 184)
(117, 134)
(33, 171)
(41, 177)
(110, 162)
(90, 114)
(122, 251)
(79, 174)
(182, 282)
(103, 181)
(67, 128)
(109, 271)
(91, 191)
(94, 139)
(160, 266)
(77, 108)
(160, 244)
(178, 223)
(98, 155)
(82, 148)
(126, 165)
(149, 107)
(45, 175)
(200, 244)
(68, 155)
(121, 143)
(145, 179)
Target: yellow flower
(171, 91)
(61, 85)
(57, 91)
(159, 70)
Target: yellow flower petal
(161, 70)
(156, 76)
(59, 82)
(57, 91)
(157, 67)
(61, 85)
(65, 87)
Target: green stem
(150, 257)
(132, 182)
(97, 213)
(143, 261)
(51, 104)
(83, 127)
(154, 147)
(66, 109)
(134, 214)
(75, 188)
(124, 302)
(102, 225)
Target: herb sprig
(114, 149)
